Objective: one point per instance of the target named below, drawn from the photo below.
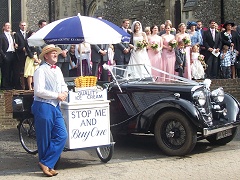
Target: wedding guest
(73, 62)
(172, 31)
(99, 56)
(111, 60)
(232, 40)
(195, 36)
(213, 42)
(20, 40)
(185, 37)
(168, 53)
(180, 58)
(32, 62)
(225, 62)
(42, 23)
(122, 50)
(200, 29)
(155, 50)
(162, 27)
(147, 30)
(82, 52)
(64, 59)
(10, 67)
(196, 66)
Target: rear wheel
(174, 134)
(105, 152)
(27, 135)
(213, 138)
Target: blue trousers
(51, 132)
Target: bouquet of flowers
(173, 43)
(201, 59)
(141, 44)
(186, 41)
(154, 45)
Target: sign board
(88, 125)
(87, 94)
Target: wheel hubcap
(174, 134)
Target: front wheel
(105, 152)
(27, 135)
(174, 134)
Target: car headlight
(199, 97)
(218, 95)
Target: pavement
(134, 158)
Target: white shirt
(213, 34)
(23, 33)
(48, 83)
(10, 42)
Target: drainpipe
(51, 10)
(84, 8)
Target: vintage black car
(178, 111)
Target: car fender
(149, 116)
(233, 107)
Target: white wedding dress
(138, 56)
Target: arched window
(92, 8)
(10, 11)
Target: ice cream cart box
(88, 124)
(87, 94)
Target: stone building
(147, 11)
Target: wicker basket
(8, 98)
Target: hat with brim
(190, 24)
(228, 22)
(49, 48)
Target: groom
(122, 50)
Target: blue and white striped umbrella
(78, 29)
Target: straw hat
(49, 48)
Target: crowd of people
(189, 50)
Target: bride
(138, 55)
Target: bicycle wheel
(105, 152)
(27, 135)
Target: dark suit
(63, 62)
(180, 59)
(211, 60)
(10, 78)
(20, 40)
(120, 57)
(235, 40)
(97, 59)
(202, 49)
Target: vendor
(49, 90)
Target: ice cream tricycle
(86, 114)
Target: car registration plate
(224, 134)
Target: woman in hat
(231, 39)
(195, 36)
(49, 90)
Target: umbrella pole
(80, 60)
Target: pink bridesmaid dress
(168, 57)
(155, 56)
